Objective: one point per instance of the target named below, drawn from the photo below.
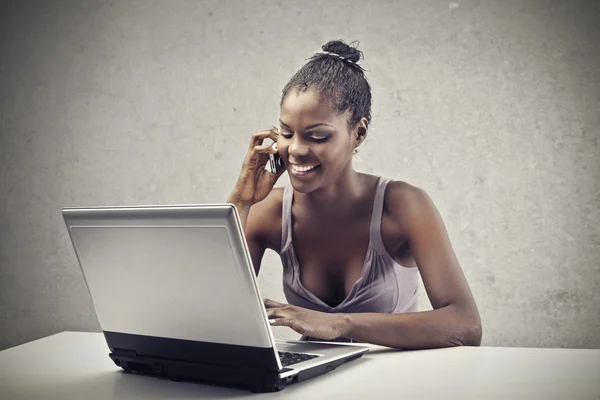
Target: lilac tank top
(384, 286)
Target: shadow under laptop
(137, 386)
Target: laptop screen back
(175, 272)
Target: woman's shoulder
(403, 201)
(402, 193)
(402, 207)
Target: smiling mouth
(303, 170)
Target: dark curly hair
(336, 78)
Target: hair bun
(342, 49)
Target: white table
(75, 365)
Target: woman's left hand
(318, 325)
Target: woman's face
(314, 141)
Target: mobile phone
(276, 163)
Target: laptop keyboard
(288, 358)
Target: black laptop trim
(177, 359)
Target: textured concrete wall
(493, 107)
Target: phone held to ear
(276, 163)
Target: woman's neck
(337, 200)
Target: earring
(355, 151)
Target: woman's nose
(297, 148)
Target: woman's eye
(317, 139)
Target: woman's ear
(360, 131)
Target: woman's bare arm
(455, 319)
(261, 223)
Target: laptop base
(250, 378)
(188, 360)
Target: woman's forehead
(307, 107)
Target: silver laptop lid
(181, 272)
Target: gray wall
(491, 107)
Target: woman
(351, 244)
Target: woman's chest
(331, 260)
(334, 256)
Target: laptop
(176, 296)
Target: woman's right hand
(255, 182)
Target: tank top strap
(375, 229)
(286, 217)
